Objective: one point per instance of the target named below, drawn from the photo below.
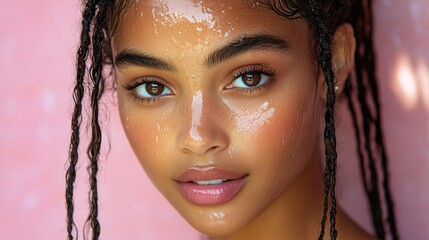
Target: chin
(215, 222)
(216, 230)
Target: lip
(212, 194)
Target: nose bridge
(200, 131)
(196, 115)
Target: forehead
(173, 13)
(198, 23)
(197, 11)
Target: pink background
(37, 47)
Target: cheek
(282, 145)
(147, 133)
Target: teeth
(211, 182)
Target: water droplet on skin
(284, 139)
(217, 215)
(126, 123)
(247, 120)
(197, 110)
(173, 12)
(231, 152)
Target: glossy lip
(214, 194)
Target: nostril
(206, 143)
(213, 148)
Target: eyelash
(258, 69)
(252, 69)
(130, 87)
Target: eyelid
(255, 68)
(139, 81)
(134, 84)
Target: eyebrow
(236, 47)
(133, 57)
(246, 44)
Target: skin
(206, 119)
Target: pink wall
(37, 42)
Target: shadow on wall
(406, 121)
(403, 62)
(401, 45)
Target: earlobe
(343, 49)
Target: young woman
(229, 107)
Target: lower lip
(210, 195)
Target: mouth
(210, 186)
(211, 182)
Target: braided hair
(100, 18)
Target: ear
(343, 49)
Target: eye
(250, 80)
(151, 90)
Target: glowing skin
(203, 116)
(197, 110)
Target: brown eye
(251, 79)
(154, 89)
(151, 90)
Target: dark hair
(99, 20)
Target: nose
(202, 130)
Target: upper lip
(208, 174)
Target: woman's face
(220, 102)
